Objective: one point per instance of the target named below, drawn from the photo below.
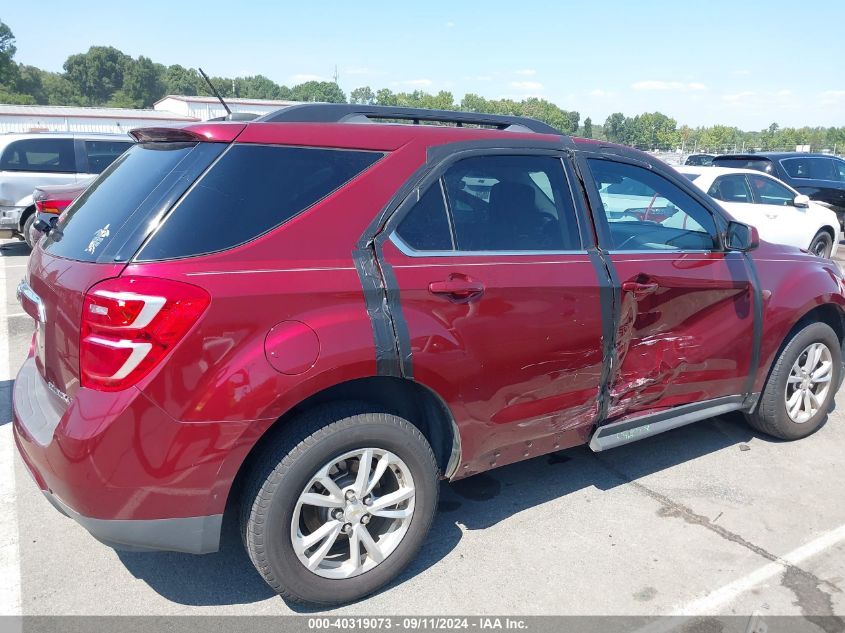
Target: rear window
(736, 162)
(53, 155)
(124, 199)
(249, 191)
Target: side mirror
(741, 237)
(801, 201)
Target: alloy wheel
(808, 383)
(353, 513)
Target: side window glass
(101, 154)
(40, 155)
(426, 226)
(731, 189)
(822, 169)
(771, 192)
(840, 168)
(511, 203)
(653, 214)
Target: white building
(205, 108)
(37, 118)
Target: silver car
(28, 161)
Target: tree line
(105, 76)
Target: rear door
(501, 302)
(686, 321)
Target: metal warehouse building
(205, 108)
(28, 118)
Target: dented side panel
(520, 367)
(688, 341)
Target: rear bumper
(122, 468)
(193, 535)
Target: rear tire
(285, 504)
(822, 244)
(785, 409)
(27, 226)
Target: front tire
(822, 244)
(321, 531)
(800, 390)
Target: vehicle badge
(99, 236)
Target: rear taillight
(52, 206)
(129, 324)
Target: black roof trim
(350, 113)
(777, 155)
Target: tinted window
(40, 154)
(810, 167)
(731, 189)
(760, 164)
(94, 219)
(426, 226)
(769, 191)
(101, 154)
(661, 216)
(511, 203)
(699, 159)
(840, 168)
(249, 191)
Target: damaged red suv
(310, 319)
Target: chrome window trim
(411, 252)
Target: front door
(501, 303)
(685, 327)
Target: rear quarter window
(251, 190)
(51, 155)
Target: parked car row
(781, 214)
(30, 161)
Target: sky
(744, 63)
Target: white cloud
(526, 72)
(526, 85)
(301, 79)
(450, 25)
(738, 96)
(671, 86)
(832, 97)
(786, 92)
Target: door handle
(640, 289)
(457, 289)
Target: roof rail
(352, 113)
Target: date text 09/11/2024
(417, 623)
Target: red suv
(310, 319)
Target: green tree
(142, 83)
(97, 74)
(257, 87)
(58, 90)
(588, 128)
(363, 95)
(322, 91)
(614, 128)
(8, 49)
(179, 80)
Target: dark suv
(310, 319)
(819, 176)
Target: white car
(780, 214)
(31, 160)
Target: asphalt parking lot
(707, 519)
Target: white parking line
(717, 599)
(10, 566)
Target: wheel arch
(408, 399)
(832, 314)
(25, 215)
